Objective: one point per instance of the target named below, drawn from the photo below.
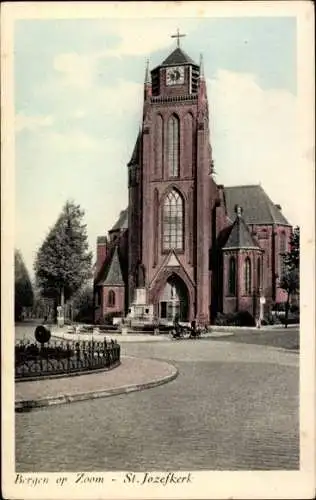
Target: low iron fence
(65, 357)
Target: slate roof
(178, 56)
(136, 152)
(114, 275)
(101, 240)
(122, 221)
(240, 236)
(256, 205)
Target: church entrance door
(174, 300)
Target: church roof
(240, 236)
(178, 56)
(135, 155)
(114, 275)
(256, 205)
(122, 221)
(101, 240)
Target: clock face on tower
(175, 75)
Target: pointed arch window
(97, 297)
(247, 276)
(282, 248)
(111, 299)
(159, 144)
(173, 146)
(259, 273)
(232, 276)
(173, 211)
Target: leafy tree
(63, 263)
(292, 258)
(42, 306)
(290, 281)
(23, 296)
(82, 305)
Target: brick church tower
(186, 246)
(170, 183)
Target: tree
(42, 306)
(292, 258)
(82, 305)
(23, 291)
(290, 280)
(63, 263)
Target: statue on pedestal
(140, 276)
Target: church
(186, 245)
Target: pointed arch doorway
(174, 300)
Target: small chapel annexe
(185, 245)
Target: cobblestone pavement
(26, 332)
(131, 372)
(232, 407)
(287, 338)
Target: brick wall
(118, 307)
(101, 253)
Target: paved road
(287, 338)
(233, 407)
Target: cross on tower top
(178, 36)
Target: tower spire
(178, 36)
(147, 80)
(147, 83)
(201, 66)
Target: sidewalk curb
(159, 338)
(121, 339)
(28, 405)
(254, 328)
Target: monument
(60, 316)
(140, 312)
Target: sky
(78, 107)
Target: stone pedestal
(140, 311)
(60, 317)
(140, 296)
(124, 330)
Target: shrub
(106, 328)
(108, 318)
(147, 328)
(278, 307)
(295, 309)
(223, 319)
(165, 328)
(32, 351)
(86, 328)
(240, 318)
(292, 319)
(151, 327)
(57, 352)
(244, 318)
(271, 319)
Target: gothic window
(282, 248)
(190, 217)
(97, 298)
(155, 225)
(173, 221)
(159, 145)
(247, 276)
(259, 273)
(232, 276)
(111, 299)
(173, 146)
